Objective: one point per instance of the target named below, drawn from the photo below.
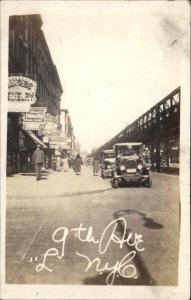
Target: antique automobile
(108, 163)
(131, 167)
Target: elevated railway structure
(158, 129)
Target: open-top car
(108, 163)
(131, 167)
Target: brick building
(30, 59)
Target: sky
(115, 60)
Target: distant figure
(95, 166)
(38, 161)
(69, 162)
(58, 163)
(65, 163)
(77, 164)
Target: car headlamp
(139, 167)
(108, 166)
(122, 167)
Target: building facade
(30, 62)
(71, 145)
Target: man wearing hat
(38, 161)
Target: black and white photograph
(95, 149)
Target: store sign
(52, 124)
(52, 119)
(34, 119)
(53, 145)
(57, 141)
(56, 138)
(63, 145)
(21, 93)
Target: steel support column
(157, 141)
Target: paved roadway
(33, 257)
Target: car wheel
(115, 183)
(149, 182)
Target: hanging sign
(51, 119)
(34, 119)
(52, 125)
(63, 145)
(21, 93)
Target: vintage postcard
(95, 104)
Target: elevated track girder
(159, 124)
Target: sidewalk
(55, 184)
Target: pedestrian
(95, 166)
(58, 163)
(65, 163)
(77, 164)
(38, 161)
(70, 162)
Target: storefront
(21, 95)
(54, 139)
(27, 144)
(13, 156)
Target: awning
(35, 138)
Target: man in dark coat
(38, 161)
(77, 164)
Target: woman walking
(77, 164)
(95, 166)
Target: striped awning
(35, 138)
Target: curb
(69, 194)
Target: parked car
(108, 164)
(131, 167)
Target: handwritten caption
(124, 267)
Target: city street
(68, 229)
(93, 89)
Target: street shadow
(129, 185)
(100, 279)
(143, 275)
(44, 173)
(166, 170)
(148, 222)
(43, 178)
(132, 185)
(27, 174)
